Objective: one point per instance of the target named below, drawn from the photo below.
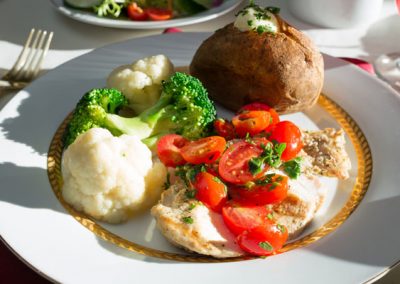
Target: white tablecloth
(73, 38)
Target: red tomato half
(205, 150)
(251, 122)
(169, 150)
(287, 132)
(224, 128)
(263, 240)
(136, 13)
(159, 14)
(210, 190)
(234, 164)
(239, 218)
(273, 192)
(274, 116)
(261, 106)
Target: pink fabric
(172, 30)
(361, 63)
(13, 270)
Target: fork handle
(7, 85)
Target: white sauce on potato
(257, 19)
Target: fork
(29, 61)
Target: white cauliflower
(141, 81)
(110, 178)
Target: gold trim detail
(364, 160)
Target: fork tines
(31, 57)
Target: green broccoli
(183, 108)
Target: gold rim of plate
(364, 161)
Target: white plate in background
(124, 23)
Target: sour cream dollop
(257, 19)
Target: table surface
(73, 38)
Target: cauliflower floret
(110, 178)
(141, 81)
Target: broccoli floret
(92, 110)
(183, 108)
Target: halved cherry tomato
(287, 132)
(273, 192)
(169, 150)
(263, 240)
(205, 150)
(274, 116)
(260, 141)
(234, 164)
(136, 13)
(210, 190)
(251, 122)
(239, 218)
(261, 106)
(224, 128)
(159, 14)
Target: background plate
(91, 18)
(37, 227)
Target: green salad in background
(143, 10)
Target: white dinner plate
(41, 231)
(124, 23)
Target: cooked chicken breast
(188, 224)
(305, 196)
(325, 153)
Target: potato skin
(283, 70)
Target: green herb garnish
(293, 167)
(273, 10)
(192, 206)
(188, 173)
(273, 185)
(190, 193)
(267, 179)
(187, 220)
(271, 156)
(167, 183)
(281, 228)
(265, 246)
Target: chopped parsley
(187, 220)
(270, 156)
(273, 10)
(270, 216)
(293, 167)
(261, 29)
(265, 246)
(187, 173)
(167, 183)
(274, 185)
(217, 179)
(192, 206)
(190, 193)
(281, 228)
(267, 179)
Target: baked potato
(282, 69)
